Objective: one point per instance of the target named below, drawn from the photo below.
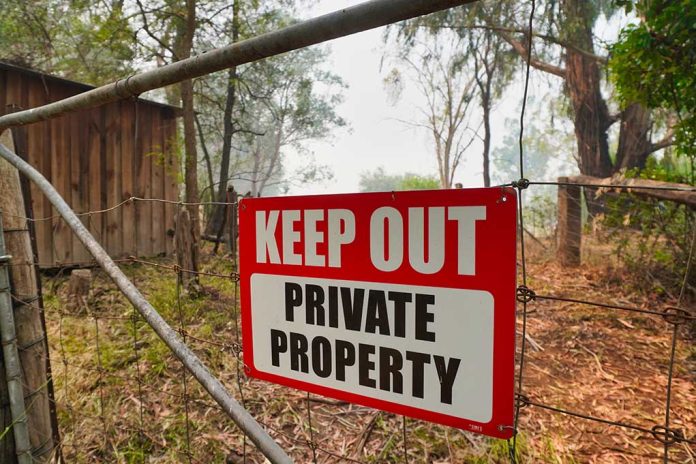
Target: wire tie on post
(25, 299)
(31, 344)
(4, 259)
(525, 294)
(675, 315)
(9, 342)
(667, 436)
(520, 184)
(521, 400)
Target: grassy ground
(122, 397)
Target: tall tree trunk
(583, 81)
(634, 138)
(188, 113)
(206, 156)
(217, 220)
(273, 161)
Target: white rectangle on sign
(427, 347)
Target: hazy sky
(377, 137)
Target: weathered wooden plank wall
(97, 159)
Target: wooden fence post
(31, 335)
(185, 251)
(16, 428)
(569, 223)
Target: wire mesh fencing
(601, 376)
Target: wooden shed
(97, 159)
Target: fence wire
(153, 379)
(152, 385)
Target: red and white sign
(401, 301)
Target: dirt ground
(122, 397)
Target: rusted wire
(404, 438)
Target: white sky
(377, 138)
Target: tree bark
(634, 138)
(206, 156)
(583, 83)
(217, 221)
(188, 115)
(683, 194)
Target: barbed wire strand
(655, 431)
(606, 186)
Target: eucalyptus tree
(479, 52)
(653, 62)
(565, 46)
(379, 180)
(81, 40)
(447, 83)
(299, 104)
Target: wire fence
(121, 396)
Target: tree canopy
(654, 62)
(380, 181)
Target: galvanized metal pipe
(362, 17)
(10, 353)
(213, 386)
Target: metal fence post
(13, 371)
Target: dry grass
(599, 362)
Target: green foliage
(415, 182)
(653, 62)
(653, 237)
(379, 181)
(85, 41)
(281, 104)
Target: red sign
(400, 301)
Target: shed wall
(97, 159)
